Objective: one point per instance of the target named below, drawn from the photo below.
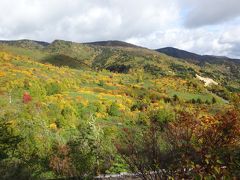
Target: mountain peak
(114, 43)
(178, 53)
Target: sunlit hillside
(66, 106)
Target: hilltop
(113, 43)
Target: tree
(199, 101)
(10, 169)
(193, 101)
(207, 102)
(214, 101)
(80, 156)
(8, 141)
(175, 98)
(61, 163)
(141, 151)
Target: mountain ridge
(183, 54)
(114, 43)
(170, 51)
(24, 41)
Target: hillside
(125, 58)
(63, 103)
(25, 43)
(178, 53)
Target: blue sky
(204, 27)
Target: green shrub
(53, 88)
(101, 83)
(161, 117)
(113, 110)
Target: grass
(187, 96)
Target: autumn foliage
(61, 162)
(196, 147)
(27, 98)
(60, 123)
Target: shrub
(175, 98)
(214, 100)
(113, 110)
(61, 162)
(161, 117)
(205, 147)
(26, 98)
(53, 88)
(101, 83)
(139, 106)
(199, 101)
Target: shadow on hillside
(61, 60)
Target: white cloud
(81, 20)
(198, 40)
(209, 12)
(150, 23)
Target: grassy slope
(64, 98)
(116, 58)
(90, 55)
(87, 84)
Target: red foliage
(197, 146)
(26, 98)
(206, 145)
(126, 130)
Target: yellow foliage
(85, 102)
(53, 126)
(2, 74)
(128, 101)
(101, 115)
(121, 106)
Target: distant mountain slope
(112, 55)
(25, 43)
(178, 53)
(182, 54)
(112, 43)
(123, 57)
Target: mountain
(112, 55)
(174, 52)
(25, 43)
(182, 54)
(122, 57)
(113, 43)
(68, 108)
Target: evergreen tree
(175, 98)
(214, 100)
(8, 141)
(199, 101)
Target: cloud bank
(205, 27)
(205, 12)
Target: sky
(201, 26)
